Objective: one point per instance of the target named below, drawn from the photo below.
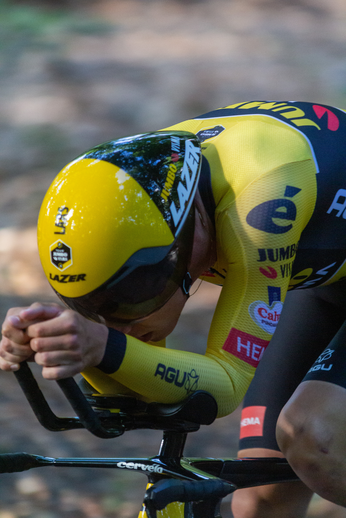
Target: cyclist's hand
(65, 343)
(15, 343)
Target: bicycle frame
(178, 487)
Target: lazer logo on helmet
(64, 279)
(187, 185)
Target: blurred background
(77, 73)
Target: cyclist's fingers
(65, 344)
(12, 363)
(8, 366)
(57, 350)
(66, 322)
(14, 335)
(18, 319)
(59, 364)
(51, 359)
(39, 312)
(59, 372)
(11, 354)
(12, 347)
(14, 329)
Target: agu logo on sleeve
(252, 419)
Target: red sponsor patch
(269, 272)
(252, 419)
(332, 120)
(207, 273)
(246, 347)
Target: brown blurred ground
(76, 73)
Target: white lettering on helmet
(152, 468)
(186, 191)
(175, 141)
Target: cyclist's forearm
(168, 375)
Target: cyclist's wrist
(114, 352)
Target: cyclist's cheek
(165, 319)
(158, 325)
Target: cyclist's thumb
(17, 322)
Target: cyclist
(251, 197)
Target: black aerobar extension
(15, 462)
(198, 408)
(87, 418)
(171, 490)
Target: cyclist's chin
(156, 333)
(148, 337)
(153, 336)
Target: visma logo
(250, 421)
(267, 215)
(188, 380)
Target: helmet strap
(186, 284)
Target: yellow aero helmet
(115, 229)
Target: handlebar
(157, 496)
(15, 462)
(87, 417)
(195, 480)
(187, 416)
(163, 492)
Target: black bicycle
(178, 487)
